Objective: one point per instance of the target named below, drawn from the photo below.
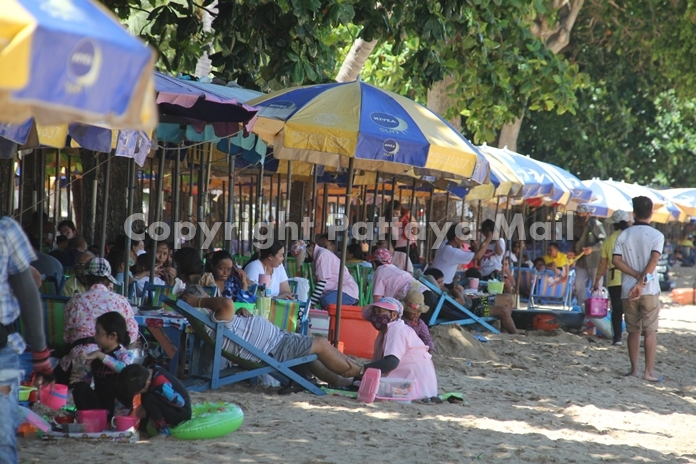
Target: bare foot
(631, 374)
(653, 378)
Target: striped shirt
(256, 330)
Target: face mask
(380, 321)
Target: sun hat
(381, 255)
(584, 209)
(386, 302)
(619, 215)
(99, 267)
(414, 302)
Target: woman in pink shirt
(326, 267)
(399, 352)
(389, 280)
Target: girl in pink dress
(399, 352)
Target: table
(170, 332)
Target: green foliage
(636, 121)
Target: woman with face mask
(399, 352)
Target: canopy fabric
(663, 209)
(68, 61)
(328, 123)
(607, 199)
(685, 198)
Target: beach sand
(537, 398)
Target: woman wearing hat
(620, 219)
(399, 352)
(81, 313)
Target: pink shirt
(326, 266)
(81, 314)
(390, 280)
(414, 360)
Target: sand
(536, 398)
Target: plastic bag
(302, 288)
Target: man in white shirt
(636, 253)
(450, 255)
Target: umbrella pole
(190, 158)
(391, 219)
(428, 235)
(42, 185)
(56, 195)
(240, 231)
(259, 195)
(313, 211)
(279, 205)
(176, 187)
(93, 219)
(302, 203)
(157, 217)
(230, 203)
(287, 211)
(21, 190)
(151, 196)
(250, 222)
(408, 235)
(374, 209)
(105, 209)
(447, 202)
(325, 209)
(126, 251)
(68, 187)
(273, 218)
(344, 246)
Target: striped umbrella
(328, 124)
(685, 198)
(607, 199)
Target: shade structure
(606, 199)
(68, 61)
(329, 123)
(685, 198)
(663, 209)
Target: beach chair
(363, 277)
(549, 293)
(153, 294)
(445, 299)
(212, 291)
(54, 317)
(51, 285)
(200, 321)
(241, 260)
(132, 290)
(527, 281)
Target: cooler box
(357, 334)
(320, 322)
(683, 296)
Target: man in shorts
(635, 254)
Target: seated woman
(399, 352)
(270, 262)
(189, 267)
(81, 313)
(141, 272)
(326, 265)
(224, 275)
(499, 306)
(332, 366)
(163, 259)
(388, 279)
(355, 255)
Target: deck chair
(51, 285)
(241, 260)
(200, 321)
(153, 294)
(363, 277)
(132, 290)
(54, 317)
(443, 298)
(548, 293)
(527, 281)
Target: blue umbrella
(68, 61)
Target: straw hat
(414, 302)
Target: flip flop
(480, 338)
(455, 397)
(660, 379)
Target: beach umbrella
(606, 199)
(685, 198)
(330, 124)
(534, 184)
(67, 61)
(663, 209)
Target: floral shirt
(421, 329)
(81, 314)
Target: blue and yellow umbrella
(327, 124)
(64, 61)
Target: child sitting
(111, 335)
(413, 307)
(164, 399)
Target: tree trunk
(355, 60)
(439, 100)
(556, 37)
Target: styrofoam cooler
(320, 322)
(597, 306)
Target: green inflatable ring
(208, 420)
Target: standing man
(18, 294)
(588, 234)
(636, 253)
